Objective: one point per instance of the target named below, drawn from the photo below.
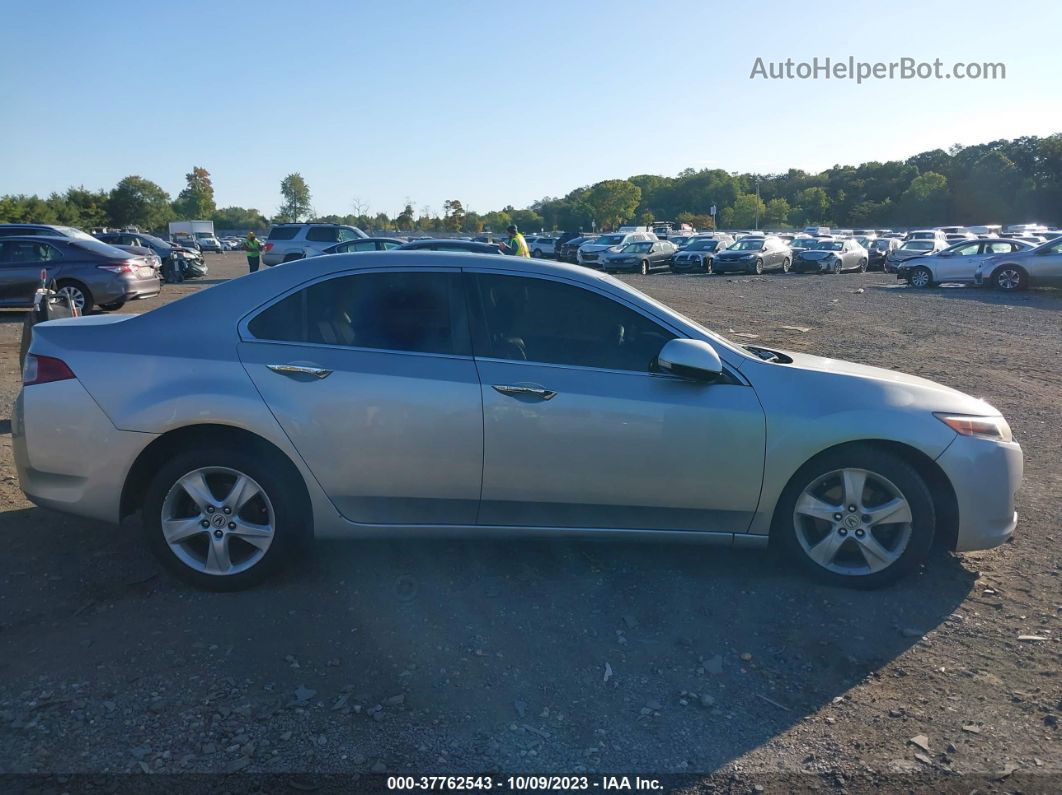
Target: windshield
(748, 245)
(880, 245)
(922, 235)
(828, 245)
(155, 242)
(918, 245)
(637, 248)
(609, 240)
(703, 245)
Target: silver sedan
(419, 393)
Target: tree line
(997, 182)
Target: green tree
(925, 201)
(296, 194)
(816, 205)
(613, 201)
(240, 219)
(453, 215)
(140, 202)
(196, 201)
(777, 212)
(748, 208)
(405, 219)
(526, 220)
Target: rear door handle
(296, 369)
(523, 389)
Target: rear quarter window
(283, 233)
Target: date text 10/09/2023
(524, 783)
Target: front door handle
(295, 369)
(522, 389)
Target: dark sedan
(643, 256)
(754, 255)
(697, 256)
(85, 270)
(566, 251)
(365, 244)
(878, 250)
(467, 246)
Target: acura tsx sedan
(383, 394)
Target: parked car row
(86, 271)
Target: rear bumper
(142, 288)
(985, 476)
(68, 454)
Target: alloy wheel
(74, 294)
(920, 278)
(218, 521)
(853, 522)
(1008, 279)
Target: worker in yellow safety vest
(254, 251)
(515, 244)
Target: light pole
(757, 203)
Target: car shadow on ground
(1038, 298)
(603, 655)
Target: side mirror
(945, 253)
(690, 359)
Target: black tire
(920, 277)
(645, 267)
(707, 265)
(836, 268)
(113, 306)
(881, 463)
(537, 253)
(1010, 278)
(292, 529)
(292, 257)
(757, 268)
(863, 265)
(73, 289)
(786, 265)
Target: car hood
(903, 387)
(737, 254)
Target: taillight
(268, 247)
(125, 266)
(44, 370)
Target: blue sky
(491, 103)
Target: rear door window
(415, 312)
(322, 234)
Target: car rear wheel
(758, 267)
(224, 519)
(537, 253)
(920, 277)
(1010, 277)
(786, 265)
(78, 295)
(645, 267)
(707, 264)
(856, 516)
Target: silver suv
(287, 242)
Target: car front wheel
(224, 519)
(645, 267)
(1010, 277)
(920, 277)
(707, 264)
(786, 265)
(856, 516)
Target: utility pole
(757, 202)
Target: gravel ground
(564, 656)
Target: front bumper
(696, 264)
(985, 476)
(810, 265)
(68, 454)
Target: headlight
(994, 428)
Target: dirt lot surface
(568, 656)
